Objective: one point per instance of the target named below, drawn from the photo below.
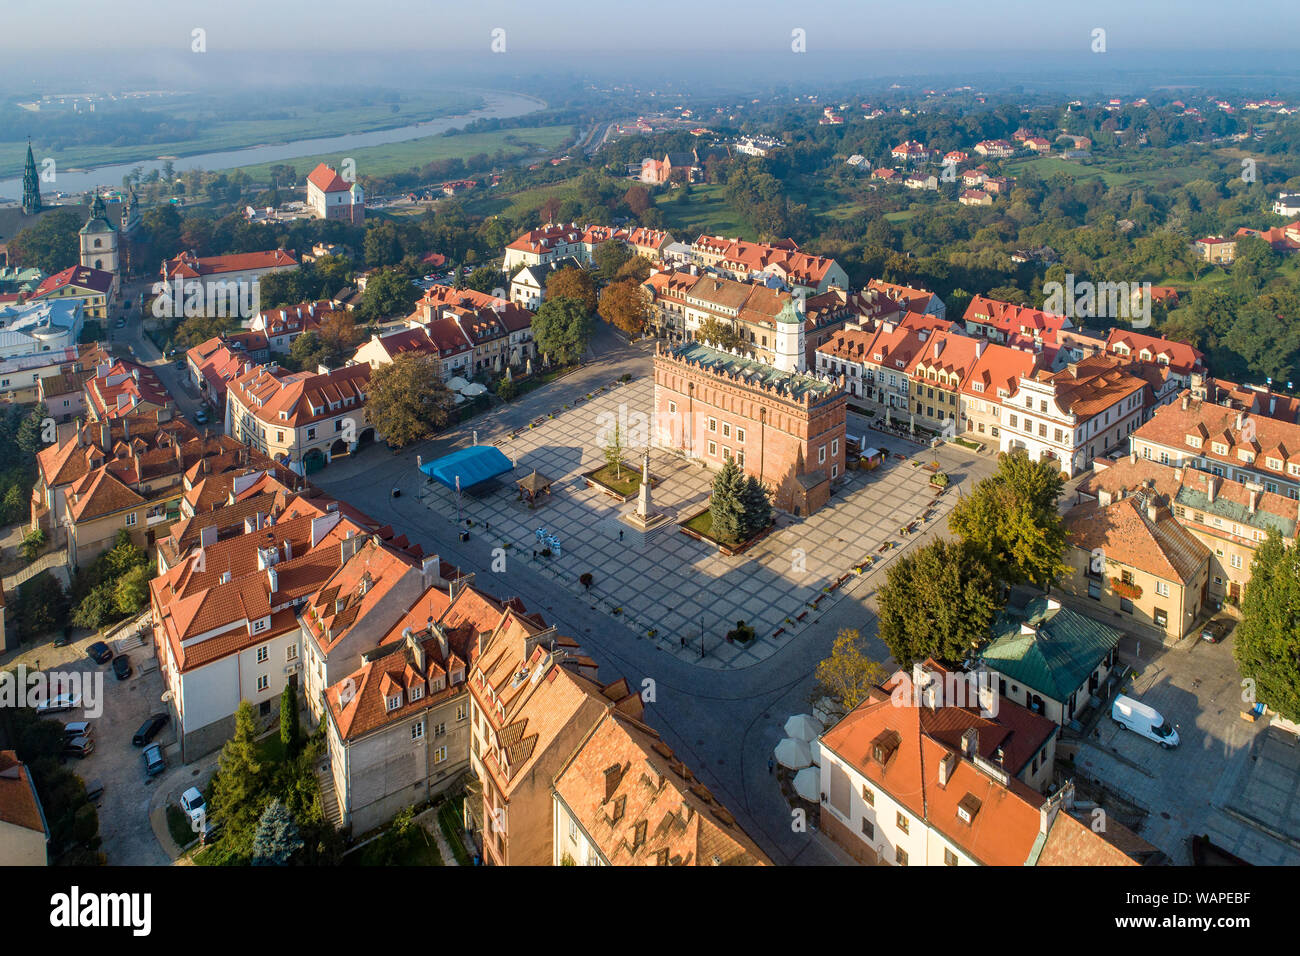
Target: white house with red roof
(330, 196)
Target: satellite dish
(167, 696)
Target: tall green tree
(1267, 648)
(562, 327)
(241, 780)
(407, 400)
(289, 729)
(727, 503)
(614, 451)
(756, 505)
(938, 601)
(1011, 523)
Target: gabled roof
(1126, 533)
(327, 180)
(19, 803)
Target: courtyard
(666, 586)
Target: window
(440, 730)
(949, 858)
(902, 823)
(835, 447)
(1236, 561)
(311, 433)
(1162, 588)
(1094, 590)
(279, 436)
(1161, 618)
(821, 455)
(868, 829)
(263, 682)
(726, 430)
(900, 856)
(460, 712)
(713, 449)
(263, 653)
(1126, 605)
(394, 702)
(672, 408)
(417, 730)
(713, 424)
(130, 520)
(440, 755)
(573, 830)
(740, 435)
(868, 796)
(417, 691)
(291, 652)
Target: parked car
(78, 728)
(1144, 720)
(149, 729)
(99, 652)
(95, 791)
(122, 666)
(154, 763)
(1216, 630)
(64, 639)
(59, 703)
(80, 747)
(201, 416)
(195, 808)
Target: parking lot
(1229, 778)
(128, 838)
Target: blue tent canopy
(474, 465)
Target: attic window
(394, 702)
(417, 692)
(884, 747)
(968, 807)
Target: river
(497, 105)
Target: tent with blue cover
(473, 465)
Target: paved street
(1229, 778)
(724, 724)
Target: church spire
(31, 185)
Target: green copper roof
(789, 315)
(1057, 656)
(1235, 511)
(794, 384)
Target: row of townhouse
(300, 420)
(127, 474)
(560, 240)
(470, 333)
(800, 272)
(923, 370)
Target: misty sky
(611, 26)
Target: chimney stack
(970, 742)
(946, 764)
(1210, 481)
(1186, 401)
(1254, 500)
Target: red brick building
(785, 428)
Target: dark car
(154, 763)
(149, 729)
(80, 747)
(122, 666)
(1216, 630)
(64, 639)
(99, 652)
(78, 728)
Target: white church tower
(99, 240)
(789, 349)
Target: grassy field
(1046, 166)
(414, 153)
(519, 206)
(306, 122)
(707, 210)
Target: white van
(1144, 720)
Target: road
(724, 724)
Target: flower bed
(700, 527)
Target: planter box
(729, 550)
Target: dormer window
(1245, 455)
(1194, 441)
(416, 692)
(1219, 448)
(1274, 463)
(393, 702)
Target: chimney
(970, 742)
(946, 765)
(417, 649)
(1241, 420)
(1210, 487)
(429, 567)
(273, 579)
(1254, 500)
(106, 436)
(441, 635)
(1153, 510)
(979, 347)
(1178, 474)
(1133, 458)
(1186, 400)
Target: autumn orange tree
(623, 305)
(572, 283)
